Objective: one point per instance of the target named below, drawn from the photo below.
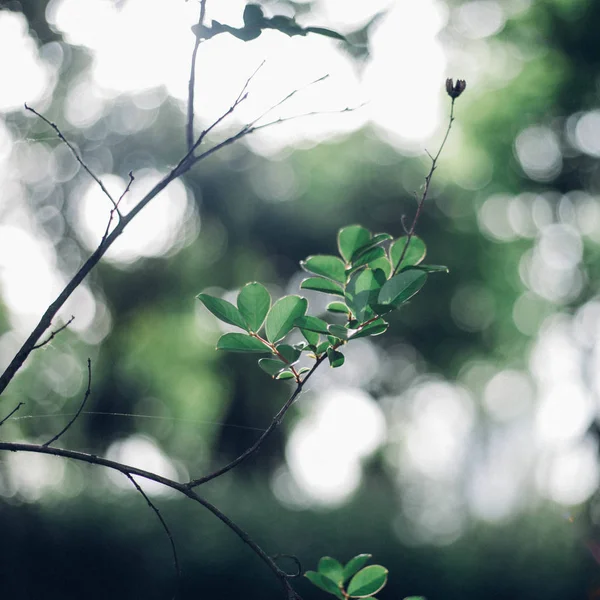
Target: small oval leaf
(331, 568)
(338, 307)
(352, 238)
(362, 291)
(271, 366)
(318, 284)
(282, 315)
(336, 359)
(414, 254)
(354, 565)
(312, 324)
(327, 266)
(223, 310)
(377, 239)
(324, 583)
(401, 287)
(285, 375)
(240, 342)
(289, 353)
(339, 331)
(375, 328)
(253, 303)
(367, 581)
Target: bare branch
(86, 396)
(180, 487)
(165, 527)
(54, 334)
(434, 159)
(116, 206)
(11, 413)
(192, 81)
(259, 442)
(75, 154)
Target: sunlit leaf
(324, 583)
(311, 337)
(323, 346)
(375, 328)
(355, 564)
(381, 263)
(271, 366)
(312, 324)
(303, 370)
(240, 342)
(401, 287)
(282, 315)
(350, 239)
(414, 255)
(415, 598)
(331, 568)
(363, 290)
(223, 310)
(377, 239)
(253, 303)
(430, 269)
(368, 256)
(290, 353)
(336, 358)
(318, 284)
(338, 307)
(338, 331)
(367, 581)
(327, 266)
(285, 375)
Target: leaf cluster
(373, 275)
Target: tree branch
(86, 396)
(165, 527)
(53, 334)
(11, 413)
(192, 81)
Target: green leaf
(318, 284)
(368, 256)
(352, 238)
(429, 269)
(331, 568)
(339, 331)
(415, 598)
(367, 581)
(338, 307)
(271, 366)
(223, 310)
(327, 266)
(290, 353)
(285, 375)
(377, 239)
(324, 583)
(253, 303)
(240, 342)
(414, 255)
(312, 324)
(355, 564)
(303, 370)
(375, 328)
(322, 347)
(282, 315)
(401, 287)
(382, 263)
(336, 359)
(362, 291)
(311, 337)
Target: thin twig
(116, 206)
(53, 334)
(165, 527)
(434, 160)
(11, 413)
(192, 81)
(259, 442)
(180, 487)
(75, 154)
(86, 396)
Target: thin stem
(434, 160)
(85, 397)
(54, 333)
(192, 81)
(166, 529)
(11, 413)
(259, 442)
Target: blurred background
(460, 449)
